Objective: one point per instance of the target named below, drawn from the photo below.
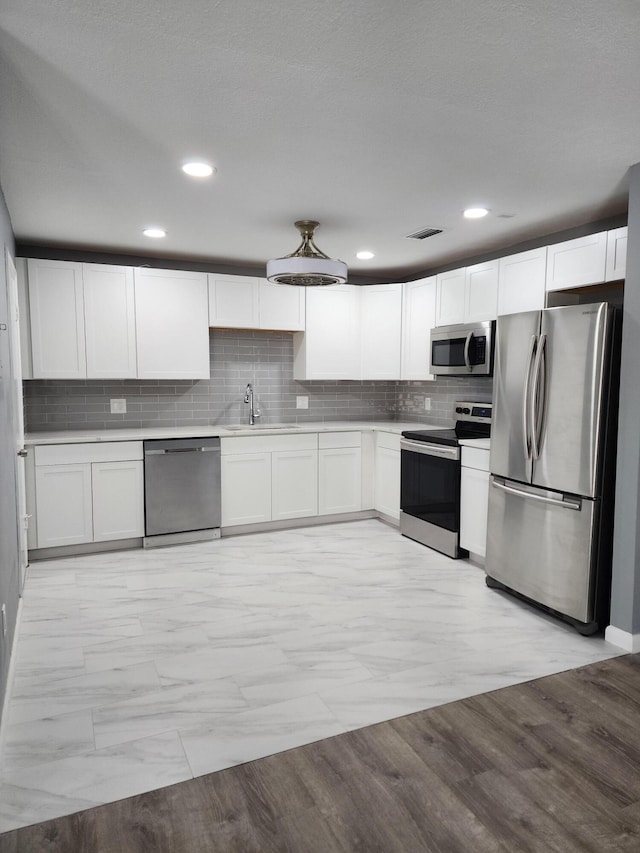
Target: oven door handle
(427, 449)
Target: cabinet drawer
(268, 443)
(390, 440)
(71, 454)
(327, 440)
(475, 457)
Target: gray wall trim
(625, 593)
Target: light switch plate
(118, 407)
(302, 402)
(427, 404)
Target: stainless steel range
(430, 479)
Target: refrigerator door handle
(467, 344)
(538, 398)
(565, 503)
(526, 435)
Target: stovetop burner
(473, 420)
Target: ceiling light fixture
(365, 255)
(307, 266)
(198, 169)
(154, 232)
(475, 212)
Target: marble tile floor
(139, 669)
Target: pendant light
(307, 266)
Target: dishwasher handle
(180, 450)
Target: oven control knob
(466, 411)
(458, 410)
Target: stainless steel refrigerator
(553, 460)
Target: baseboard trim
(291, 523)
(622, 639)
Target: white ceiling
(378, 118)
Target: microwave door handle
(538, 398)
(467, 344)
(526, 434)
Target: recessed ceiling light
(156, 233)
(198, 169)
(475, 212)
(365, 256)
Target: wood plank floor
(552, 765)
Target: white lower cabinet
(118, 500)
(245, 487)
(63, 505)
(88, 493)
(268, 478)
(387, 474)
(339, 473)
(474, 500)
(294, 483)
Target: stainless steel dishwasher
(181, 490)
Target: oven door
(430, 495)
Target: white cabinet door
(381, 324)
(339, 480)
(521, 282)
(474, 500)
(245, 488)
(110, 321)
(451, 291)
(234, 301)
(294, 484)
(63, 504)
(118, 500)
(172, 324)
(56, 307)
(577, 262)
(387, 475)
(481, 292)
(616, 268)
(330, 346)
(281, 306)
(418, 318)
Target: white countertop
(482, 443)
(78, 436)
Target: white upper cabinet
(234, 302)
(521, 281)
(577, 262)
(330, 346)
(171, 324)
(56, 308)
(467, 295)
(245, 302)
(418, 318)
(616, 267)
(481, 292)
(451, 297)
(281, 306)
(110, 321)
(381, 323)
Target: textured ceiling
(376, 118)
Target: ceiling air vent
(426, 232)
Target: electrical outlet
(4, 619)
(302, 402)
(118, 407)
(427, 404)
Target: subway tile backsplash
(237, 357)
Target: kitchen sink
(263, 426)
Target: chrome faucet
(248, 398)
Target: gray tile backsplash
(263, 358)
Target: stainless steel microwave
(462, 350)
